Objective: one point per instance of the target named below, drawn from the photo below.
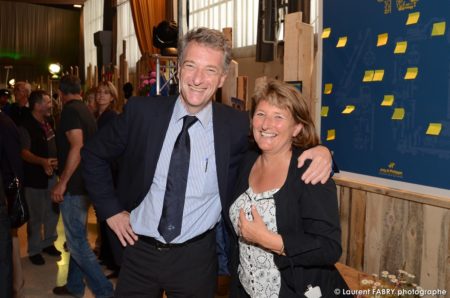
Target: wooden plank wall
(385, 230)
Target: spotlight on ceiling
(11, 83)
(54, 69)
(77, 5)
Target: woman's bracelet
(282, 249)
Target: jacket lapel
(222, 149)
(158, 124)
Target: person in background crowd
(5, 97)
(19, 110)
(181, 157)
(56, 109)
(107, 103)
(40, 163)
(285, 230)
(76, 127)
(11, 275)
(127, 91)
(89, 99)
(5, 242)
(110, 251)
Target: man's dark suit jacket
(137, 137)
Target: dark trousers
(186, 271)
(5, 251)
(110, 248)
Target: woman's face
(273, 128)
(103, 97)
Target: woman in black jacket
(287, 233)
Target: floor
(40, 280)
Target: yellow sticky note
(413, 18)
(348, 109)
(438, 29)
(434, 129)
(326, 32)
(382, 39)
(328, 88)
(411, 73)
(388, 100)
(331, 134)
(399, 114)
(324, 111)
(378, 75)
(400, 47)
(342, 42)
(368, 75)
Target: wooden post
(229, 86)
(89, 81)
(299, 54)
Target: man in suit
(178, 259)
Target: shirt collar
(204, 116)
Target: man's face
(21, 96)
(200, 74)
(45, 106)
(3, 100)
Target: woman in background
(287, 233)
(107, 104)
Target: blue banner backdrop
(363, 75)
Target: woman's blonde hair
(116, 105)
(286, 96)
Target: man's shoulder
(5, 120)
(231, 115)
(75, 111)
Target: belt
(166, 246)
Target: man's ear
(222, 79)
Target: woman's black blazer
(308, 220)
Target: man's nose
(198, 76)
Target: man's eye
(211, 71)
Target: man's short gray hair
(207, 37)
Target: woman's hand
(255, 231)
(252, 230)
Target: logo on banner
(391, 170)
(401, 5)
